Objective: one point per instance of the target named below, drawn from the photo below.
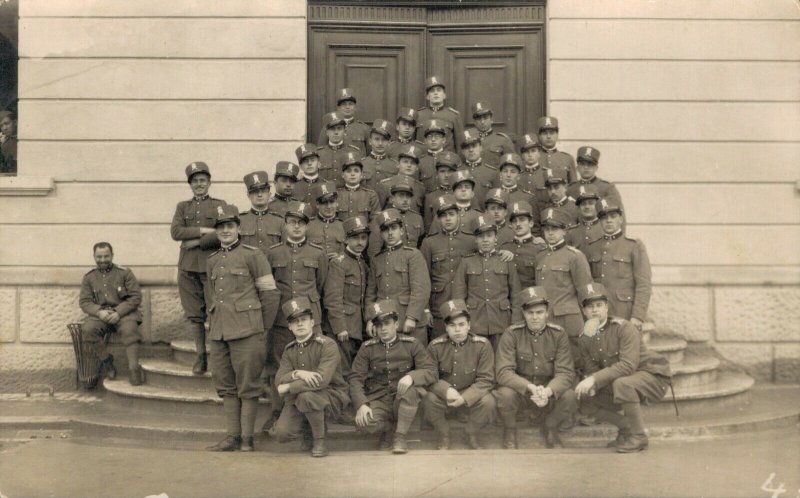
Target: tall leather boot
(201, 362)
(637, 440)
(135, 371)
(316, 420)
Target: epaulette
(503, 135)
(122, 268)
(577, 251)
(439, 340)
(315, 245)
(275, 245)
(291, 344)
(215, 252)
(409, 248)
(252, 248)
(319, 339)
(618, 321)
(455, 111)
(555, 326)
(490, 166)
(368, 189)
(320, 147)
(422, 108)
(242, 213)
(353, 146)
(405, 338)
(479, 338)
(371, 342)
(631, 238)
(595, 240)
(516, 326)
(338, 257)
(90, 271)
(569, 198)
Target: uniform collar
(308, 341)
(435, 108)
(591, 222)
(232, 246)
(354, 255)
(296, 245)
(105, 271)
(562, 201)
(311, 179)
(327, 221)
(347, 121)
(501, 225)
(484, 134)
(550, 151)
(603, 326)
(486, 255)
(352, 189)
(587, 182)
(405, 140)
(259, 213)
(446, 188)
(395, 247)
(390, 343)
(536, 332)
(510, 189)
(281, 197)
(452, 233)
(463, 208)
(475, 164)
(531, 169)
(557, 246)
(377, 157)
(459, 344)
(336, 146)
(524, 240)
(201, 198)
(614, 235)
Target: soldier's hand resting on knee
(454, 398)
(342, 336)
(363, 416)
(403, 384)
(312, 379)
(586, 387)
(409, 326)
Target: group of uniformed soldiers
(388, 271)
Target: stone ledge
(73, 275)
(26, 186)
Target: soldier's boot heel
(200, 364)
(318, 449)
(510, 439)
(247, 444)
(472, 441)
(111, 370)
(135, 377)
(633, 444)
(400, 444)
(621, 435)
(230, 443)
(444, 441)
(385, 441)
(552, 439)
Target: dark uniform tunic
(450, 118)
(485, 175)
(356, 134)
(244, 301)
(532, 182)
(542, 358)
(279, 204)
(567, 204)
(376, 370)
(621, 264)
(331, 159)
(466, 216)
(469, 369)
(261, 229)
(427, 170)
(376, 168)
(345, 292)
(394, 148)
(303, 191)
(190, 216)
(584, 233)
(562, 164)
(326, 233)
(357, 202)
(496, 144)
(114, 289)
(525, 251)
(606, 190)
(384, 191)
(505, 234)
(413, 231)
(429, 210)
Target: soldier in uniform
(588, 228)
(402, 197)
(243, 304)
(346, 288)
(463, 185)
(308, 159)
(378, 164)
(406, 125)
(557, 190)
(560, 163)
(534, 368)
(446, 165)
(562, 270)
(488, 284)
(408, 167)
(495, 143)
(483, 171)
(523, 245)
(310, 379)
(354, 198)
(356, 132)
(193, 226)
(621, 264)
(435, 94)
(8, 142)
(588, 162)
(443, 251)
(510, 172)
(259, 226)
(399, 273)
(110, 296)
(388, 379)
(325, 229)
(300, 268)
(285, 180)
(466, 376)
(496, 207)
(434, 131)
(620, 372)
(532, 178)
(333, 151)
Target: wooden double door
(483, 53)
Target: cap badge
(590, 288)
(547, 122)
(549, 214)
(532, 292)
(481, 221)
(220, 211)
(451, 305)
(377, 308)
(294, 306)
(358, 222)
(194, 166)
(255, 179)
(478, 106)
(588, 151)
(301, 207)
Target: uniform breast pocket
(280, 270)
(525, 363)
(501, 270)
(596, 265)
(401, 270)
(242, 277)
(437, 261)
(611, 357)
(624, 266)
(311, 267)
(561, 275)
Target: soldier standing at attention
(588, 162)
(466, 376)
(620, 372)
(346, 288)
(621, 264)
(488, 284)
(378, 165)
(562, 270)
(259, 226)
(463, 186)
(446, 165)
(435, 133)
(557, 190)
(532, 178)
(325, 229)
(560, 163)
(402, 197)
(588, 228)
(399, 273)
(406, 125)
(388, 379)
(524, 245)
(242, 308)
(484, 172)
(435, 94)
(496, 207)
(354, 198)
(333, 151)
(110, 296)
(308, 159)
(310, 378)
(356, 133)
(534, 368)
(300, 268)
(495, 144)
(193, 225)
(408, 172)
(285, 179)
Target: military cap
(547, 123)
(433, 126)
(389, 216)
(483, 224)
(345, 94)
(453, 309)
(497, 196)
(356, 225)
(324, 191)
(592, 292)
(296, 307)
(287, 169)
(226, 213)
(586, 192)
(511, 159)
(408, 114)
(520, 208)
(195, 168)
(382, 127)
(410, 150)
(553, 179)
(607, 208)
(298, 209)
(306, 150)
(481, 108)
(445, 202)
(529, 140)
(332, 119)
(469, 136)
(532, 295)
(588, 154)
(403, 184)
(432, 82)
(462, 176)
(555, 217)
(256, 180)
(381, 309)
(351, 159)
(449, 159)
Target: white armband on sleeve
(265, 283)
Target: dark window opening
(9, 60)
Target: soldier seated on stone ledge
(110, 296)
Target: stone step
(171, 374)
(694, 370)
(670, 346)
(184, 351)
(730, 391)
